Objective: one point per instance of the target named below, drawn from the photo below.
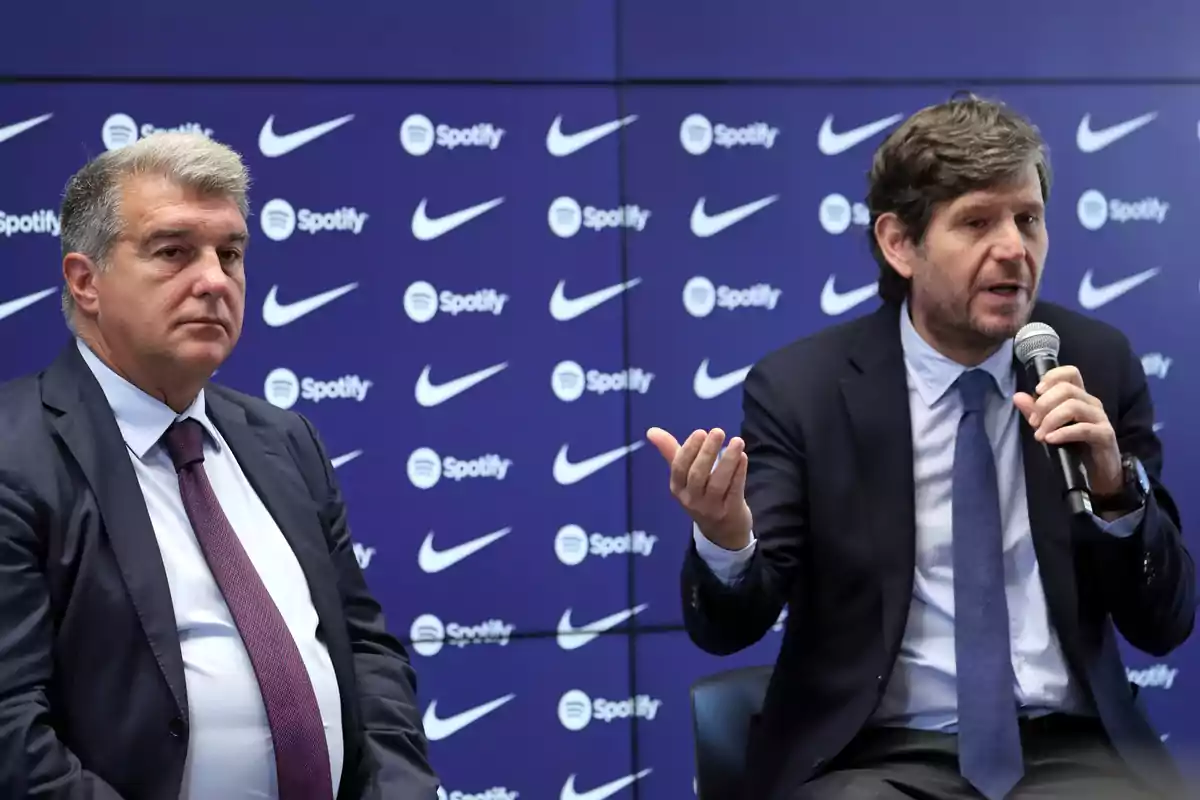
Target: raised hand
(714, 498)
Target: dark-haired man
(953, 629)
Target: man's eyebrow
(165, 233)
(976, 206)
(240, 237)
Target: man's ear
(80, 273)
(894, 243)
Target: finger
(722, 476)
(702, 467)
(1087, 433)
(1025, 403)
(1072, 411)
(1065, 373)
(667, 445)
(682, 462)
(737, 486)
(1054, 397)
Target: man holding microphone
(952, 626)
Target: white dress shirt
(921, 692)
(230, 756)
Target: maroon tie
(301, 755)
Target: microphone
(1036, 346)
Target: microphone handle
(1075, 479)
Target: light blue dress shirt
(229, 753)
(921, 692)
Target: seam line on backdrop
(628, 632)
(631, 566)
(863, 81)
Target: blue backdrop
(496, 242)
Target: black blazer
(92, 693)
(828, 432)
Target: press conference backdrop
(493, 243)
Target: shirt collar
(935, 373)
(142, 419)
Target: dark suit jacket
(92, 693)
(830, 484)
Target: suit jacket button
(176, 727)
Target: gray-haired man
(181, 610)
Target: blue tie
(989, 741)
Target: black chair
(722, 706)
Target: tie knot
(973, 387)
(185, 442)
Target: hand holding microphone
(1066, 417)
(715, 499)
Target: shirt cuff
(727, 565)
(1122, 527)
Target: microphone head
(1035, 339)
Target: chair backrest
(722, 706)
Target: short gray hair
(91, 208)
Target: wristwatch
(1135, 485)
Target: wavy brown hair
(939, 154)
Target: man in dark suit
(181, 611)
(952, 627)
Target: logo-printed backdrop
(484, 294)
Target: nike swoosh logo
(429, 395)
(1089, 141)
(704, 225)
(832, 144)
(345, 459)
(572, 638)
(10, 307)
(561, 144)
(278, 314)
(564, 308)
(272, 145)
(426, 229)
(1092, 297)
(9, 131)
(567, 473)
(707, 387)
(433, 561)
(834, 302)
(437, 729)
(600, 792)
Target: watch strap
(1130, 497)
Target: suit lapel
(262, 453)
(89, 430)
(1050, 526)
(874, 389)
(875, 393)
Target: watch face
(1142, 479)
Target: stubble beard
(955, 321)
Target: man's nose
(1009, 243)
(212, 277)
